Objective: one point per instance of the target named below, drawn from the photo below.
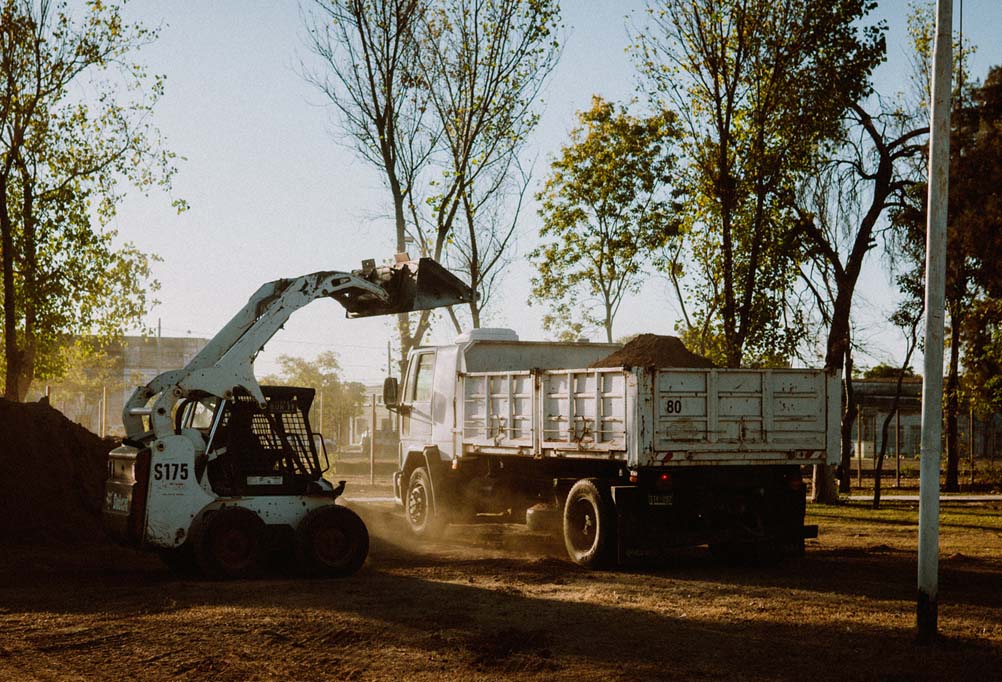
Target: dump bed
(653, 417)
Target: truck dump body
(653, 417)
(622, 458)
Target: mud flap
(629, 513)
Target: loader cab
(251, 450)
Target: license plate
(659, 500)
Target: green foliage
(760, 88)
(63, 160)
(885, 371)
(605, 204)
(337, 400)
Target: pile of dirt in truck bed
(652, 350)
(52, 475)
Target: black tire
(180, 560)
(228, 543)
(590, 524)
(422, 515)
(331, 542)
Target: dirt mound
(651, 350)
(52, 475)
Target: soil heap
(652, 350)
(52, 475)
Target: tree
(484, 63)
(62, 158)
(760, 87)
(840, 210)
(604, 204)
(974, 236)
(440, 98)
(368, 51)
(337, 400)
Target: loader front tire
(331, 542)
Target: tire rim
(235, 549)
(417, 506)
(581, 525)
(332, 545)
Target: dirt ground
(496, 602)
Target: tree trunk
(12, 355)
(848, 418)
(823, 489)
(952, 484)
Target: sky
(276, 191)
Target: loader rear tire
(590, 524)
(331, 542)
(228, 543)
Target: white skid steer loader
(217, 473)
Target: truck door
(415, 418)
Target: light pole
(935, 286)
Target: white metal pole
(935, 285)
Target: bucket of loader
(411, 285)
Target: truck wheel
(331, 542)
(424, 520)
(590, 524)
(227, 543)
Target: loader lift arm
(224, 366)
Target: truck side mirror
(391, 392)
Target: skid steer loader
(220, 474)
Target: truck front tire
(590, 524)
(423, 516)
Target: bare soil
(483, 603)
(52, 475)
(652, 350)
(497, 602)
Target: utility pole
(935, 287)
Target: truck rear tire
(228, 543)
(590, 524)
(331, 542)
(423, 517)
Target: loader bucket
(412, 285)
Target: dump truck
(220, 474)
(621, 460)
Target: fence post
(897, 449)
(859, 446)
(372, 440)
(104, 411)
(970, 440)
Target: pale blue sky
(273, 194)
